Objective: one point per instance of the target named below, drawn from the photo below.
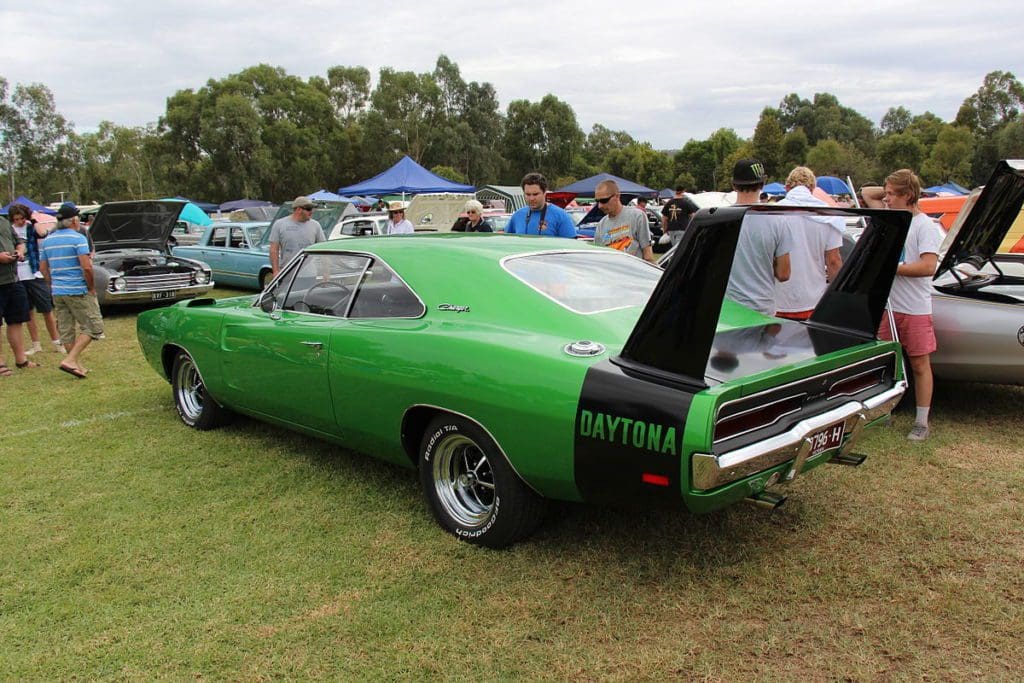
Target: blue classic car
(235, 252)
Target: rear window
(587, 282)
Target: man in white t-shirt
(911, 295)
(814, 256)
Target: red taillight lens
(654, 479)
(852, 385)
(756, 418)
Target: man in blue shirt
(65, 261)
(539, 217)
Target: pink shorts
(917, 334)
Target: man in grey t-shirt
(623, 227)
(290, 235)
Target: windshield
(587, 282)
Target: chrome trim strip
(710, 471)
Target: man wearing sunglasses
(623, 227)
(539, 217)
(292, 234)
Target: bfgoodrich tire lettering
(195, 406)
(472, 492)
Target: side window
(382, 294)
(324, 283)
(237, 238)
(219, 238)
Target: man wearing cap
(397, 223)
(292, 234)
(762, 249)
(65, 261)
(539, 217)
(676, 214)
(623, 227)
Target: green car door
(276, 355)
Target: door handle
(314, 344)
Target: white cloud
(664, 72)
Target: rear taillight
(756, 418)
(857, 383)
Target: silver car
(133, 264)
(978, 290)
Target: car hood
(979, 230)
(135, 225)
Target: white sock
(922, 416)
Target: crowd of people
(49, 274)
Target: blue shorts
(38, 292)
(13, 304)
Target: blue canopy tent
(208, 207)
(236, 204)
(667, 193)
(832, 185)
(405, 177)
(947, 188)
(30, 204)
(327, 196)
(190, 212)
(587, 186)
(775, 189)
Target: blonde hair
(905, 182)
(801, 175)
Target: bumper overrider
(710, 471)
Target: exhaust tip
(766, 499)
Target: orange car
(943, 208)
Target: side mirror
(268, 304)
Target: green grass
(133, 547)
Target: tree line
(263, 133)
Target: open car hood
(135, 225)
(979, 230)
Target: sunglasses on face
(603, 200)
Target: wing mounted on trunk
(672, 340)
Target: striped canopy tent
(512, 195)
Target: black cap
(67, 211)
(748, 172)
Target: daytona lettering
(628, 432)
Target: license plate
(163, 295)
(827, 438)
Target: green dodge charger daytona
(513, 369)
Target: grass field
(133, 547)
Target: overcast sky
(677, 71)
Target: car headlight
(118, 284)
(202, 277)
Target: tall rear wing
(672, 339)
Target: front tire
(472, 491)
(195, 406)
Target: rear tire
(472, 491)
(195, 406)
(264, 279)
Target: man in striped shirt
(67, 265)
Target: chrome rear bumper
(710, 471)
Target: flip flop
(27, 364)
(72, 371)
(5, 371)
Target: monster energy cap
(748, 172)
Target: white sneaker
(36, 348)
(919, 432)
(58, 347)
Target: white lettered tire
(471, 490)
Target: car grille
(145, 283)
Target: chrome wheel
(189, 392)
(463, 480)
